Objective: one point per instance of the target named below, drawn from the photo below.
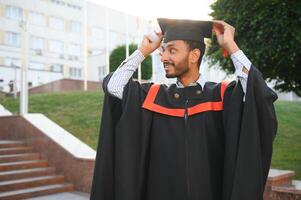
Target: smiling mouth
(167, 66)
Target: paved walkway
(64, 196)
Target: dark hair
(196, 45)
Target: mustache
(167, 63)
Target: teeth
(167, 66)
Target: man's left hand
(225, 36)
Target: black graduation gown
(169, 143)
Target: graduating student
(192, 140)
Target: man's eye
(172, 51)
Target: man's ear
(194, 56)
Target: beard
(176, 70)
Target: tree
(119, 54)
(269, 33)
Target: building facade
(56, 39)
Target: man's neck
(188, 80)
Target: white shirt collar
(201, 81)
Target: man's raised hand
(225, 35)
(148, 45)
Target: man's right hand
(148, 46)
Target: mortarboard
(184, 29)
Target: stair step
(19, 157)
(30, 182)
(294, 189)
(11, 143)
(26, 173)
(36, 191)
(15, 150)
(279, 177)
(23, 165)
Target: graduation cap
(184, 29)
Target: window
(36, 65)
(74, 50)
(56, 46)
(56, 23)
(62, 3)
(37, 19)
(8, 61)
(36, 43)
(56, 67)
(95, 52)
(75, 72)
(74, 6)
(101, 72)
(58, 2)
(13, 12)
(75, 27)
(55, 1)
(98, 33)
(12, 39)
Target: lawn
(80, 113)
(77, 112)
(287, 145)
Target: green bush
(119, 54)
(269, 33)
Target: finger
(218, 30)
(159, 33)
(218, 27)
(146, 37)
(229, 30)
(222, 26)
(220, 22)
(145, 40)
(160, 36)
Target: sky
(185, 9)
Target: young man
(193, 140)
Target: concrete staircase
(23, 174)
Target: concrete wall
(66, 85)
(77, 170)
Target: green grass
(80, 112)
(77, 112)
(287, 145)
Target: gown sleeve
(250, 128)
(122, 145)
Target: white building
(56, 39)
